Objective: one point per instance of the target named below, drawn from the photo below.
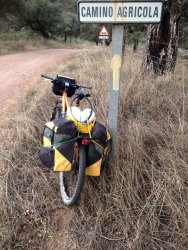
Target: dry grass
(139, 202)
(20, 45)
(21, 41)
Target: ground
(18, 71)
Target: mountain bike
(71, 183)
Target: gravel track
(18, 71)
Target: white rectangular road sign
(103, 37)
(120, 11)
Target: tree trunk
(162, 43)
(135, 44)
(44, 34)
(173, 44)
(65, 37)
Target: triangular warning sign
(104, 31)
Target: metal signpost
(118, 12)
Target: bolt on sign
(120, 11)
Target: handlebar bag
(58, 142)
(97, 150)
(59, 86)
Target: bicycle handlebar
(48, 77)
(54, 80)
(84, 87)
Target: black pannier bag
(58, 142)
(46, 155)
(97, 149)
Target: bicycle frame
(65, 104)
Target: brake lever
(81, 96)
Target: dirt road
(23, 69)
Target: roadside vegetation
(21, 41)
(141, 199)
(14, 42)
(58, 20)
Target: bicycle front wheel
(71, 183)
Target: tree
(42, 16)
(71, 26)
(135, 33)
(162, 39)
(183, 40)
